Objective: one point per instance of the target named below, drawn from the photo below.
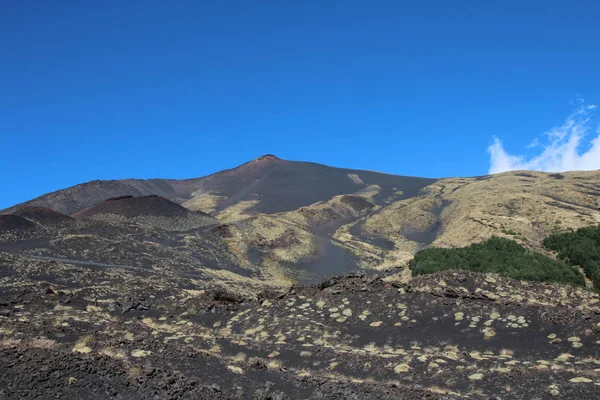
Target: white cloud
(562, 149)
(534, 143)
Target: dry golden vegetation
(524, 206)
(385, 232)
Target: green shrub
(581, 247)
(497, 255)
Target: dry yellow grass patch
(82, 346)
(237, 211)
(274, 365)
(324, 212)
(139, 353)
(401, 368)
(9, 342)
(239, 358)
(134, 372)
(113, 353)
(205, 202)
(41, 343)
(234, 369)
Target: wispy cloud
(562, 148)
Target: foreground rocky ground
(69, 331)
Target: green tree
(497, 255)
(581, 248)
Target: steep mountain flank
(267, 184)
(149, 211)
(44, 216)
(524, 206)
(15, 223)
(299, 221)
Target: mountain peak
(268, 157)
(259, 162)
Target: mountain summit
(270, 183)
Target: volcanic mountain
(239, 285)
(267, 184)
(278, 216)
(300, 221)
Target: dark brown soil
(351, 337)
(15, 223)
(131, 207)
(357, 203)
(43, 215)
(43, 374)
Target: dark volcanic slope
(287, 185)
(280, 185)
(15, 223)
(44, 216)
(70, 200)
(147, 211)
(131, 207)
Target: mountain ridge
(74, 198)
(299, 221)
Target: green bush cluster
(497, 255)
(581, 248)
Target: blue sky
(178, 89)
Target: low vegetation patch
(497, 255)
(581, 248)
